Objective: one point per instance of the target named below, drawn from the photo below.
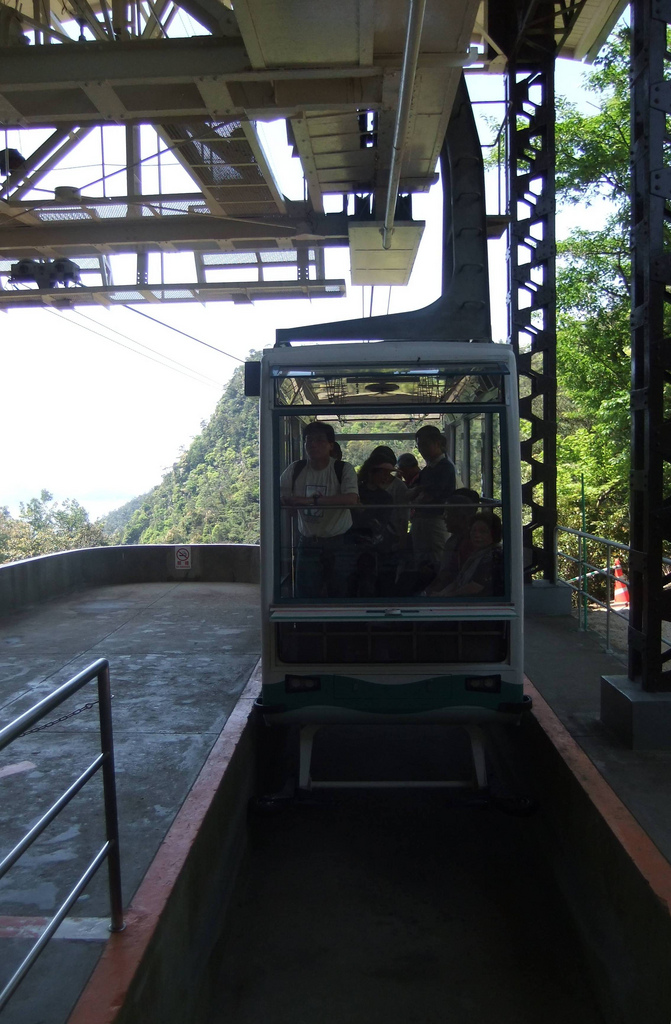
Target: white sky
(86, 418)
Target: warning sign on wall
(182, 558)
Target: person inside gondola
(322, 492)
(397, 488)
(458, 515)
(437, 481)
(481, 575)
(408, 467)
(373, 532)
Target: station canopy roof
(205, 74)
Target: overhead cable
(189, 369)
(177, 330)
(166, 366)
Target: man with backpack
(322, 490)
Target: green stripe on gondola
(433, 694)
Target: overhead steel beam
(46, 156)
(190, 291)
(532, 297)
(212, 15)
(181, 232)
(532, 29)
(163, 80)
(155, 60)
(266, 170)
(85, 14)
(42, 27)
(138, 60)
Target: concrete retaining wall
(39, 579)
(617, 885)
(157, 970)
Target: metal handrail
(110, 850)
(584, 575)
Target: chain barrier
(63, 718)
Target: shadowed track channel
(396, 906)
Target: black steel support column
(650, 343)
(532, 294)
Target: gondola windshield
(388, 485)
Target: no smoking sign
(182, 558)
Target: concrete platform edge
(616, 882)
(152, 971)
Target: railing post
(109, 791)
(19, 727)
(608, 565)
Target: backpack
(299, 466)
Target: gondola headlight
(302, 684)
(483, 684)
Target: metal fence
(595, 567)
(110, 850)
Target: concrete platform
(180, 654)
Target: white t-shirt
(318, 521)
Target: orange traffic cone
(621, 598)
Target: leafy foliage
(44, 527)
(115, 522)
(593, 339)
(211, 494)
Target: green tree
(15, 538)
(593, 341)
(44, 527)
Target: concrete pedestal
(544, 598)
(641, 720)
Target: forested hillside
(117, 520)
(211, 494)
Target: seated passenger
(458, 517)
(482, 573)
(436, 483)
(320, 489)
